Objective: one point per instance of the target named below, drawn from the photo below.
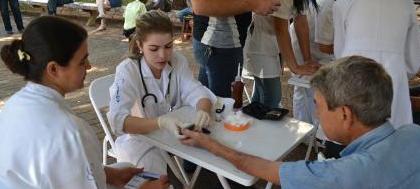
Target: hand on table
(197, 139)
(308, 68)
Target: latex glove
(170, 124)
(202, 120)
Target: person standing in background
(132, 11)
(262, 61)
(218, 48)
(386, 31)
(14, 5)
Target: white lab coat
(261, 53)
(126, 93)
(44, 145)
(303, 104)
(386, 31)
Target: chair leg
(247, 95)
(312, 143)
(184, 175)
(104, 151)
(269, 185)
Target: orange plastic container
(232, 127)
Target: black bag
(260, 111)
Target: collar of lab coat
(147, 73)
(47, 92)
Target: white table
(270, 140)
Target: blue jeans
(184, 12)
(220, 67)
(267, 91)
(200, 54)
(14, 5)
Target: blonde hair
(154, 21)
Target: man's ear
(347, 117)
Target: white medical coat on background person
(303, 98)
(386, 31)
(126, 93)
(261, 52)
(44, 145)
(324, 25)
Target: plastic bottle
(237, 88)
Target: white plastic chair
(99, 97)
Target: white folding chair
(99, 97)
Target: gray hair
(359, 83)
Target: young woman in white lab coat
(294, 9)
(386, 31)
(42, 143)
(262, 61)
(303, 104)
(147, 86)
(261, 52)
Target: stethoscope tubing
(143, 99)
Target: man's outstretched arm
(265, 169)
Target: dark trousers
(14, 5)
(218, 67)
(52, 7)
(222, 67)
(127, 33)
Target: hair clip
(23, 55)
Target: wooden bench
(90, 8)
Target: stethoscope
(167, 94)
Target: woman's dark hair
(45, 39)
(300, 5)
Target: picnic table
(90, 8)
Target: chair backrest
(99, 97)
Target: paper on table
(300, 81)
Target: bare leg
(103, 24)
(100, 4)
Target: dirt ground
(106, 50)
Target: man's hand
(265, 7)
(162, 183)
(119, 177)
(197, 139)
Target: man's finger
(188, 133)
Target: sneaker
(9, 32)
(99, 17)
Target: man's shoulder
(407, 135)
